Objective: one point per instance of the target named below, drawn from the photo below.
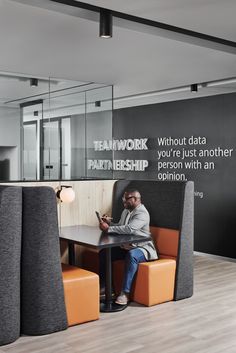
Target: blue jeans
(132, 258)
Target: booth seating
(170, 205)
(32, 299)
(10, 254)
(66, 294)
(50, 298)
(155, 280)
(31, 288)
(43, 308)
(81, 290)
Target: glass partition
(68, 110)
(49, 129)
(32, 115)
(99, 155)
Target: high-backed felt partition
(170, 205)
(10, 254)
(184, 269)
(42, 295)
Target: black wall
(211, 117)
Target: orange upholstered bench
(155, 280)
(81, 290)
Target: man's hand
(103, 226)
(107, 219)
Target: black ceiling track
(151, 23)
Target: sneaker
(122, 299)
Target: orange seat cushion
(166, 240)
(154, 283)
(81, 290)
(155, 280)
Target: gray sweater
(138, 224)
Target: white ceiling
(40, 42)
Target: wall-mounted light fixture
(65, 194)
(33, 82)
(105, 24)
(194, 87)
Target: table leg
(71, 253)
(108, 305)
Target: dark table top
(92, 237)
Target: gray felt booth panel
(10, 253)
(42, 295)
(170, 205)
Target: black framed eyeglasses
(127, 198)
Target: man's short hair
(133, 191)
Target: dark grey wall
(212, 117)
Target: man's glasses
(127, 198)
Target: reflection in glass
(30, 151)
(99, 105)
(51, 150)
(68, 109)
(66, 148)
(32, 113)
(47, 132)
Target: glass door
(32, 114)
(51, 149)
(65, 148)
(30, 156)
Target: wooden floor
(205, 323)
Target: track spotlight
(105, 26)
(194, 87)
(33, 82)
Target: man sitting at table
(134, 220)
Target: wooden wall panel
(90, 196)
